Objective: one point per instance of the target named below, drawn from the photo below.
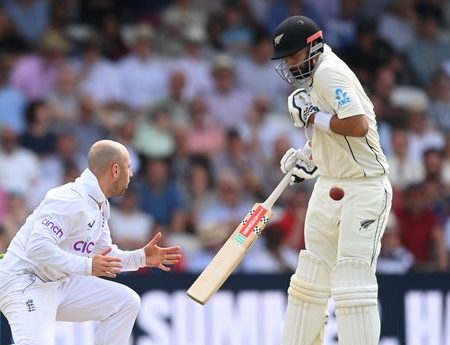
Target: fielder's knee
(133, 301)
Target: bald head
(105, 153)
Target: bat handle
(273, 197)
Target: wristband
(322, 121)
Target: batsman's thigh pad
(308, 295)
(354, 289)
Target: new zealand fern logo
(366, 223)
(278, 39)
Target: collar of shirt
(90, 182)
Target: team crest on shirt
(342, 97)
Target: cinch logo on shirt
(342, 97)
(57, 230)
(84, 247)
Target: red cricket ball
(336, 193)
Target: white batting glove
(304, 171)
(304, 168)
(300, 107)
(292, 155)
(288, 160)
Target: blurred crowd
(188, 86)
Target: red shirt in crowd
(416, 232)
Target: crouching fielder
(342, 237)
(49, 268)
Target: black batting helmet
(292, 35)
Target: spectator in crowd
(446, 159)
(404, 169)
(291, 221)
(228, 103)
(64, 100)
(16, 213)
(256, 71)
(194, 63)
(436, 189)
(38, 136)
(12, 101)
(31, 17)
(198, 189)
(93, 124)
(342, 29)
(271, 168)
(422, 134)
(143, 76)
(431, 47)
(124, 133)
(421, 232)
(100, 79)
(35, 74)
(161, 198)
(112, 44)
(271, 255)
(2, 203)
(66, 152)
(217, 219)
(203, 135)
(366, 53)
(19, 167)
(155, 133)
(399, 18)
(228, 207)
(211, 238)
(237, 157)
(393, 258)
(178, 19)
(11, 42)
(130, 227)
(4, 240)
(439, 91)
(176, 103)
(264, 125)
(238, 30)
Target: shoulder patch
(342, 97)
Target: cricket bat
(236, 247)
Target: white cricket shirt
(63, 233)
(336, 90)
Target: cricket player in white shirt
(342, 236)
(51, 268)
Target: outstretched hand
(106, 266)
(160, 257)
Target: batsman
(342, 236)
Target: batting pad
(308, 292)
(354, 289)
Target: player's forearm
(354, 126)
(132, 260)
(44, 252)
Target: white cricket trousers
(352, 227)
(32, 307)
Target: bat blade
(230, 255)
